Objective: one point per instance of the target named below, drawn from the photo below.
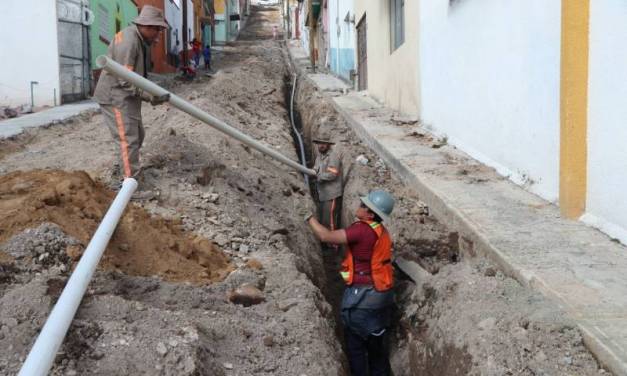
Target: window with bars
(397, 23)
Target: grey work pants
(125, 124)
(330, 213)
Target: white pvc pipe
(138, 81)
(45, 349)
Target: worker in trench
(121, 102)
(368, 274)
(329, 185)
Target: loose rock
(246, 295)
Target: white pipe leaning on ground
(45, 349)
(140, 82)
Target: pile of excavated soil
(210, 186)
(142, 245)
(470, 319)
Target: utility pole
(289, 21)
(185, 41)
(283, 13)
(311, 37)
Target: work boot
(143, 195)
(145, 190)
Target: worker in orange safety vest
(368, 274)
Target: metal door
(73, 20)
(362, 55)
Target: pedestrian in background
(206, 52)
(196, 52)
(369, 278)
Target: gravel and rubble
(257, 309)
(465, 317)
(264, 299)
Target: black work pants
(367, 356)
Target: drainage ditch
(465, 317)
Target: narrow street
(165, 299)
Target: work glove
(305, 213)
(159, 99)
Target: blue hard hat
(379, 202)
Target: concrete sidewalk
(15, 126)
(580, 268)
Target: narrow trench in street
(167, 297)
(440, 250)
(462, 315)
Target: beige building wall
(393, 76)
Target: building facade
(342, 38)
(221, 21)
(160, 53)
(229, 19)
(174, 18)
(388, 52)
(531, 88)
(29, 20)
(597, 81)
(109, 18)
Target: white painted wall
(489, 81)
(190, 20)
(342, 37)
(304, 30)
(393, 75)
(606, 205)
(174, 15)
(29, 52)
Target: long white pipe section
(45, 349)
(118, 70)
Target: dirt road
(162, 301)
(224, 209)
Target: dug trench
(460, 315)
(165, 298)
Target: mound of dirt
(142, 245)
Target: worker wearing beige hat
(328, 166)
(119, 100)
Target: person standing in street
(369, 277)
(119, 100)
(195, 44)
(207, 57)
(329, 185)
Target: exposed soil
(467, 318)
(142, 244)
(219, 275)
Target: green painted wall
(120, 13)
(220, 28)
(206, 36)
